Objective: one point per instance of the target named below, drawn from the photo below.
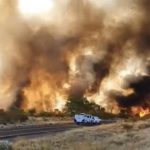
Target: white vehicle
(86, 119)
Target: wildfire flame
(140, 111)
(43, 93)
(50, 49)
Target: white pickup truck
(86, 119)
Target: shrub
(5, 145)
(13, 115)
(44, 114)
(127, 126)
(55, 113)
(78, 104)
(32, 112)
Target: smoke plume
(98, 49)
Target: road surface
(40, 130)
(32, 130)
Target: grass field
(38, 121)
(123, 135)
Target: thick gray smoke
(85, 45)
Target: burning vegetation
(95, 49)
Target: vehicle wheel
(98, 123)
(83, 122)
(77, 123)
(94, 123)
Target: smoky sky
(33, 47)
(139, 84)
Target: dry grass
(118, 136)
(38, 121)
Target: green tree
(78, 104)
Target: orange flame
(140, 111)
(43, 93)
(144, 112)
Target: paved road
(30, 130)
(40, 130)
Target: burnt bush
(13, 115)
(55, 113)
